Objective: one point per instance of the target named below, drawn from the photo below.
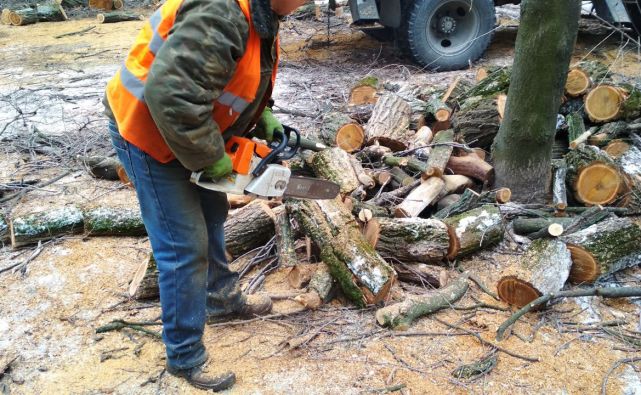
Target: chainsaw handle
(280, 152)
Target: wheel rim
(452, 27)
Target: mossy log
(45, 225)
(543, 269)
(603, 248)
(144, 284)
(438, 110)
(604, 103)
(389, 123)
(426, 193)
(52, 12)
(323, 283)
(470, 200)
(118, 16)
(474, 230)
(408, 162)
(592, 175)
(440, 154)
(249, 227)
(478, 124)
(409, 239)
(525, 226)
(363, 275)
(334, 164)
(401, 315)
(471, 166)
(23, 17)
(631, 108)
(497, 81)
(400, 177)
(113, 221)
(576, 127)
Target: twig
(622, 292)
(488, 343)
(482, 286)
(82, 31)
(387, 390)
(44, 184)
(613, 368)
(117, 325)
(262, 318)
(21, 265)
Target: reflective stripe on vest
(125, 92)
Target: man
(199, 72)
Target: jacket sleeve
(189, 72)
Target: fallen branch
(622, 292)
(117, 325)
(613, 368)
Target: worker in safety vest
(199, 72)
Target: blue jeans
(185, 227)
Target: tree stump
(363, 275)
(473, 230)
(543, 269)
(249, 227)
(603, 248)
(409, 239)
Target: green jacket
(192, 68)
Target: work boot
(255, 304)
(200, 378)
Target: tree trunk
(249, 227)
(409, 239)
(144, 285)
(604, 248)
(543, 269)
(544, 45)
(401, 315)
(474, 229)
(389, 124)
(334, 164)
(363, 275)
(426, 193)
(113, 17)
(113, 221)
(45, 225)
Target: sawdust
(48, 317)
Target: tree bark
(544, 45)
(113, 221)
(478, 123)
(334, 164)
(603, 248)
(401, 315)
(338, 129)
(5, 235)
(249, 227)
(389, 123)
(630, 164)
(23, 17)
(323, 283)
(285, 238)
(559, 194)
(420, 274)
(363, 275)
(409, 239)
(45, 225)
(473, 230)
(543, 269)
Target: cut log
(447, 201)
(400, 177)
(113, 221)
(409, 239)
(428, 276)
(310, 300)
(363, 275)
(631, 108)
(323, 283)
(592, 175)
(422, 138)
(502, 195)
(497, 81)
(630, 165)
(389, 198)
(555, 230)
(440, 155)
(50, 13)
(478, 124)
(604, 248)
(118, 4)
(470, 200)
(331, 123)
(438, 110)
(474, 230)
(300, 275)
(456, 183)
(450, 89)
(401, 315)
(576, 127)
(118, 16)
(285, 238)
(408, 162)
(356, 207)
(389, 123)
(616, 148)
(543, 269)
(583, 138)
(559, 194)
(144, 284)
(578, 82)
(420, 198)
(4, 17)
(373, 153)
(363, 177)
(334, 164)
(238, 201)
(350, 137)
(23, 17)
(608, 132)
(472, 166)
(102, 167)
(5, 235)
(249, 227)
(525, 226)
(364, 92)
(45, 225)
(603, 103)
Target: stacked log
(249, 227)
(389, 123)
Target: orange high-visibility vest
(125, 91)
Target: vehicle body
(450, 34)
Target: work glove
(266, 125)
(221, 168)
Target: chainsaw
(257, 171)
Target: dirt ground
(51, 89)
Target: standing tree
(544, 45)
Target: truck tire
(447, 34)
